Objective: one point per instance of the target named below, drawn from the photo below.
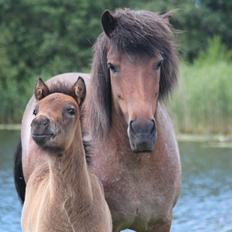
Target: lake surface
(205, 204)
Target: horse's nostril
(131, 125)
(142, 126)
(152, 125)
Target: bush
(203, 100)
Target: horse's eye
(35, 111)
(71, 111)
(113, 68)
(159, 65)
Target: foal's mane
(62, 87)
(137, 33)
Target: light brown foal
(62, 194)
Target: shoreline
(217, 138)
(10, 127)
(181, 137)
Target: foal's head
(134, 66)
(57, 115)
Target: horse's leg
(118, 224)
(160, 226)
(116, 227)
(19, 181)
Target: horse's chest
(134, 194)
(138, 190)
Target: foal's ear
(41, 90)
(109, 23)
(79, 90)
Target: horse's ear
(41, 90)
(167, 16)
(79, 90)
(109, 23)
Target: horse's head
(135, 85)
(135, 63)
(56, 115)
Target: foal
(61, 194)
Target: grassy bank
(202, 103)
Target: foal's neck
(68, 173)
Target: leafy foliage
(49, 37)
(202, 102)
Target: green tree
(44, 38)
(197, 21)
(47, 37)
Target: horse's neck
(119, 130)
(68, 174)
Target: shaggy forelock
(140, 33)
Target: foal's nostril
(45, 121)
(40, 122)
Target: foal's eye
(71, 111)
(113, 68)
(35, 111)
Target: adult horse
(134, 152)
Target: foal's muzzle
(142, 135)
(41, 130)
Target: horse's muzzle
(41, 130)
(142, 135)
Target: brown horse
(62, 195)
(135, 153)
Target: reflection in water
(206, 198)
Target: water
(204, 206)
(9, 204)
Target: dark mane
(139, 34)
